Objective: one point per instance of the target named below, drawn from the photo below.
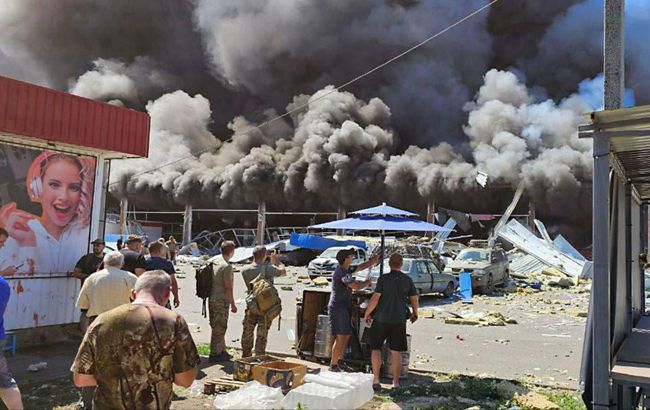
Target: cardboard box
(280, 374)
(243, 368)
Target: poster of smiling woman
(45, 207)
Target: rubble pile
(480, 319)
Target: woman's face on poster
(61, 192)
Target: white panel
(41, 302)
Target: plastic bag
(195, 390)
(252, 395)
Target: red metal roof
(39, 112)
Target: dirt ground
(528, 356)
(421, 390)
(546, 341)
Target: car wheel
(449, 290)
(490, 284)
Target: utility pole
(261, 222)
(187, 225)
(614, 68)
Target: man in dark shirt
(389, 305)
(339, 305)
(90, 263)
(156, 261)
(86, 266)
(134, 261)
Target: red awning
(28, 110)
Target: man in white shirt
(107, 288)
(101, 292)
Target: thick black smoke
(419, 129)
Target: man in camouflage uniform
(221, 302)
(134, 352)
(249, 273)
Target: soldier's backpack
(264, 299)
(204, 274)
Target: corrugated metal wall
(41, 302)
(39, 112)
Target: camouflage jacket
(134, 351)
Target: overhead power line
(338, 88)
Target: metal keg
(406, 359)
(323, 339)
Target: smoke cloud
(419, 129)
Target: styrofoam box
(329, 390)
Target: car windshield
(329, 253)
(406, 266)
(473, 255)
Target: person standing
(389, 305)
(134, 261)
(107, 288)
(338, 307)
(251, 321)
(221, 302)
(101, 292)
(135, 352)
(173, 249)
(9, 391)
(90, 263)
(86, 266)
(10, 258)
(156, 261)
(165, 249)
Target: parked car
(488, 267)
(326, 262)
(426, 276)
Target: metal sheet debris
(524, 240)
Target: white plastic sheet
(252, 395)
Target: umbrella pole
(381, 255)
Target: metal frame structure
(621, 184)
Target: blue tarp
(320, 243)
(465, 286)
(381, 223)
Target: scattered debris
(320, 281)
(425, 313)
(37, 367)
(533, 400)
(481, 319)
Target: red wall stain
(35, 319)
(19, 288)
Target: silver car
(488, 267)
(426, 276)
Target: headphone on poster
(34, 176)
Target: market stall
(312, 327)
(55, 152)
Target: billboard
(46, 200)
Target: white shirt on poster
(52, 256)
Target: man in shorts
(338, 308)
(389, 305)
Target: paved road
(544, 347)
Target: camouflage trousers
(219, 311)
(250, 322)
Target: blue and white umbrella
(382, 218)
